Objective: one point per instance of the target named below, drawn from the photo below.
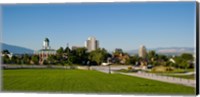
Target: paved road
(105, 69)
(31, 66)
(186, 82)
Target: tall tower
(91, 44)
(142, 51)
(46, 44)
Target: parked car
(105, 64)
(149, 66)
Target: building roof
(46, 50)
(46, 39)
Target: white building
(9, 55)
(142, 51)
(45, 51)
(91, 44)
(46, 44)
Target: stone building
(45, 51)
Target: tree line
(80, 56)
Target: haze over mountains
(162, 50)
(16, 49)
(168, 50)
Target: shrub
(169, 69)
(130, 68)
(159, 69)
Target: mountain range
(168, 50)
(161, 50)
(16, 49)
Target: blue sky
(115, 25)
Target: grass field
(83, 81)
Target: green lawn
(83, 81)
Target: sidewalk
(186, 82)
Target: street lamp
(88, 63)
(109, 67)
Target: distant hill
(167, 50)
(16, 49)
(175, 50)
